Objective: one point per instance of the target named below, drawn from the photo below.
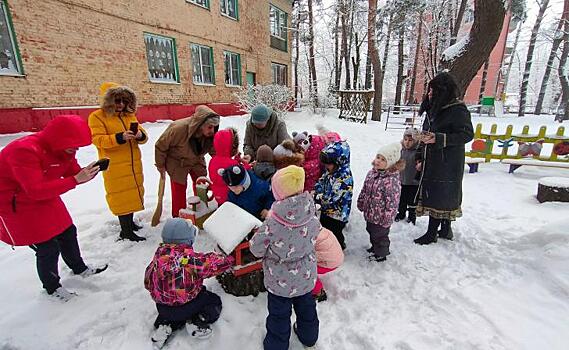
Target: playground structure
(201, 206)
(403, 117)
(354, 104)
(530, 150)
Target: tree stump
(553, 189)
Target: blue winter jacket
(255, 198)
(334, 190)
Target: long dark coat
(440, 191)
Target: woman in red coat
(36, 170)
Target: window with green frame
(278, 27)
(202, 3)
(232, 63)
(202, 64)
(162, 58)
(10, 61)
(230, 8)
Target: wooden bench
(516, 163)
(473, 163)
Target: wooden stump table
(553, 189)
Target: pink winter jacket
(312, 167)
(176, 273)
(329, 253)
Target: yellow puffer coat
(124, 179)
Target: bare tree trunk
(386, 52)
(375, 61)
(458, 22)
(400, 64)
(555, 46)
(356, 63)
(297, 49)
(562, 71)
(416, 60)
(488, 20)
(367, 84)
(483, 82)
(344, 51)
(516, 41)
(311, 61)
(529, 58)
(337, 57)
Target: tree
(529, 59)
(311, 60)
(416, 59)
(562, 71)
(296, 33)
(375, 60)
(400, 65)
(558, 38)
(458, 21)
(464, 59)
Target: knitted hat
(287, 182)
(178, 231)
(301, 139)
(264, 154)
(234, 175)
(391, 153)
(260, 114)
(413, 132)
(282, 151)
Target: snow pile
(457, 49)
(560, 182)
(229, 225)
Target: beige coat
(177, 148)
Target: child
(409, 182)
(335, 188)
(329, 256)
(286, 243)
(312, 145)
(174, 279)
(226, 144)
(264, 166)
(286, 153)
(248, 191)
(379, 198)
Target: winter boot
(63, 294)
(400, 216)
(127, 229)
(295, 330)
(446, 230)
(369, 250)
(412, 218)
(135, 226)
(90, 271)
(320, 297)
(202, 331)
(431, 235)
(161, 336)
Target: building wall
(68, 47)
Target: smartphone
(103, 164)
(134, 127)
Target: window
(202, 63)
(277, 22)
(10, 63)
(232, 68)
(161, 56)
(230, 8)
(202, 3)
(279, 74)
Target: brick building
(174, 53)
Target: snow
(562, 182)
(455, 50)
(531, 161)
(229, 225)
(503, 283)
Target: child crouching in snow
(329, 256)
(174, 279)
(286, 243)
(379, 198)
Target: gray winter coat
(286, 242)
(272, 135)
(409, 174)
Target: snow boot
(295, 329)
(446, 230)
(369, 250)
(202, 331)
(63, 294)
(127, 229)
(90, 271)
(322, 296)
(136, 227)
(412, 218)
(431, 235)
(161, 336)
(399, 217)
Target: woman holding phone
(117, 136)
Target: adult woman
(36, 170)
(264, 128)
(446, 129)
(114, 139)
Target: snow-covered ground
(503, 283)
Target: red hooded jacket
(35, 171)
(223, 144)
